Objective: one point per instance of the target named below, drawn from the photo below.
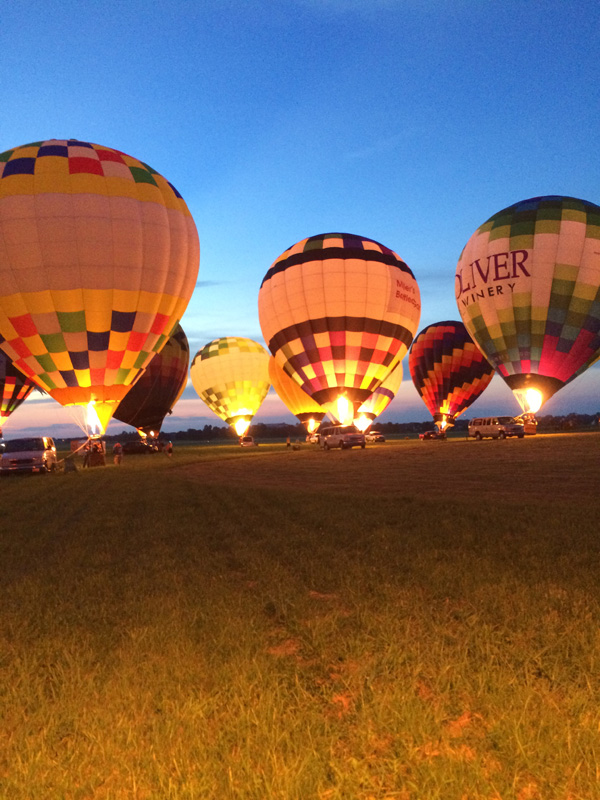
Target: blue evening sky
(407, 121)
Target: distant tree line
(261, 430)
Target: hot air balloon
(377, 403)
(448, 370)
(158, 388)
(528, 290)
(231, 375)
(295, 399)
(338, 312)
(98, 260)
(14, 388)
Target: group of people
(94, 450)
(118, 451)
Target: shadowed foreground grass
(166, 636)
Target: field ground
(415, 621)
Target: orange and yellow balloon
(98, 259)
(231, 375)
(338, 312)
(380, 399)
(294, 398)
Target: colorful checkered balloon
(448, 370)
(98, 260)
(294, 398)
(158, 388)
(338, 312)
(14, 388)
(231, 375)
(528, 290)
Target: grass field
(415, 621)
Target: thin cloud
(211, 283)
(379, 146)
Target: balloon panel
(448, 369)
(527, 287)
(338, 312)
(14, 387)
(377, 403)
(231, 375)
(158, 387)
(295, 399)
(98, 259)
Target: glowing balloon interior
(98, 260)
(338, 312)
(294, 398)
(231, 375)
(528, 290)
(380, 399)
(448, 370)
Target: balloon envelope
(295, 399)
(98, 259)
(338, 312)
(448, 370)
(231, 375)
(377, 403)
(527, 287)
(159, 386)
(14, 388)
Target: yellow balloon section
(231, 375)
(99, 257)
(380, 399)
(338, 312)
(295, 399)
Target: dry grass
(418, 620)
(537, 469)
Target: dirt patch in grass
(551, 468)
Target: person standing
(169, 449)
(117, 452)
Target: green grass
(415, 621)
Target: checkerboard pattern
(383, 395)
(158, 387)
(338, 312)
(545, 320)
(295, 399)
(231, 375)
(14, 388)
(98, 259)
(447, 368)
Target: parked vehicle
(496, 428)
(32, 454)
(374, 436)
(248, 441)
(342, 436)
(434, 434)
(136, 447)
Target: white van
(495, 428)
(342, 436)
(32, 454)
